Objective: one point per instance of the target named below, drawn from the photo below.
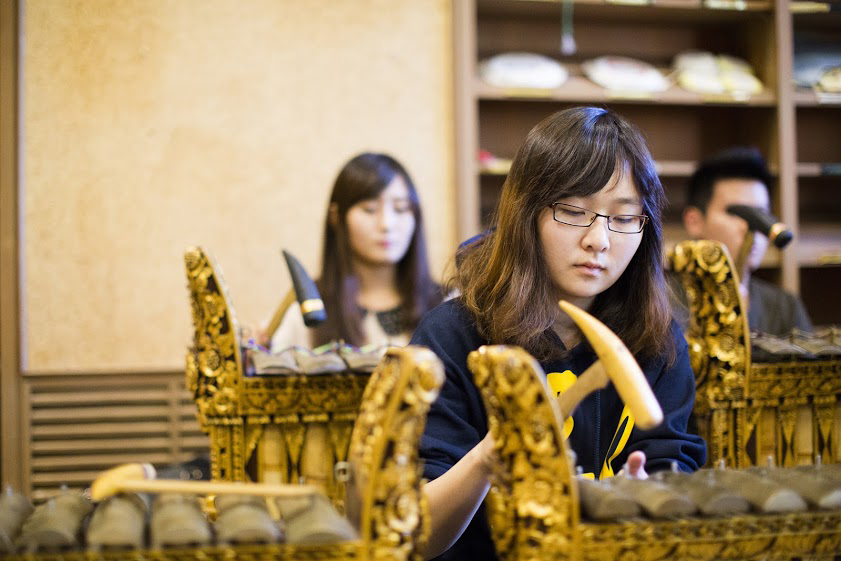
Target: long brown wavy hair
(504, 279)
(365, 177)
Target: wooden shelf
(804, 97)
(651, 10)
(580, 89)
(815, 169)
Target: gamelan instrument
(283, 417)
(538, 508)
(756, 396)
(134, 516)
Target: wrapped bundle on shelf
(817, 62)
(703, 72)
(625, 74)
(522, 70)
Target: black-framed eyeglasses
(583, 218)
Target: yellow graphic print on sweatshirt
(559, 382)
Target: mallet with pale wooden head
(141, 478)
(616, 364)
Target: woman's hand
(262, 336)
(635, 466)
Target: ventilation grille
(81, 425)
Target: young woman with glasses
(578, 219)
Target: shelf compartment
(819, 134)
(649, 33)
(674, 133)
(819, 245)
(819, 169)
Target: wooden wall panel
(10, 469)
(80, 425)
(151, 125)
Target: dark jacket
(773, 310)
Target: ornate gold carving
(533, 507)
(539, 517)
(215, 367)
(727, 380)
(384, 451)
(824, 413)
(391, 508)
(718, 329)
(809, 535)
(232, 407)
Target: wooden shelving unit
(817, 141)
(799, 131)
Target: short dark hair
(740, 162)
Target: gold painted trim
(312, 305)
(775, 231)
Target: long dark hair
(504, 278)
(365, 177)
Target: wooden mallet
(616, 364)
(141, 478)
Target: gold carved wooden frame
(534, 510)
(748, 411)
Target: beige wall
(151, 125)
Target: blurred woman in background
(375, 280)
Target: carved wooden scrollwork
(386, 498)
(533, 508)
(540, 517)
(747, 410)
(718, 332)
(214, 364)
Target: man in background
(740, 176)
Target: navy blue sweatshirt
(457, 420)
